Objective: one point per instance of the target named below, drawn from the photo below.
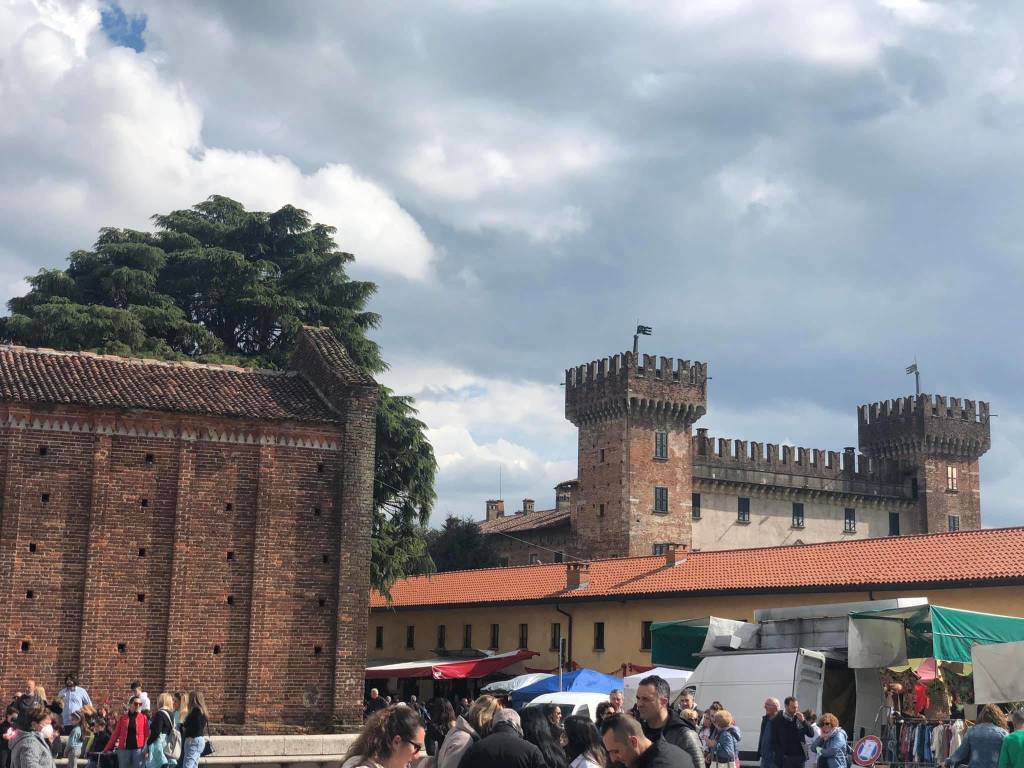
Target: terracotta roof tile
(546, 518)
(965, 556)
(82, 378)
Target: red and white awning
(451, 669)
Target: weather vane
(912, 369)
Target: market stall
(923, 655)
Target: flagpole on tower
(917, 375)
(641, 330)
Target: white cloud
(100, 137)
(483, 428)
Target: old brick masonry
(189, 525)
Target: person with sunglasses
(391, 738)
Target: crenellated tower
(635, 476)
(937, 442)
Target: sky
(806, 195)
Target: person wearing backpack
(164, 744)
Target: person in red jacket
(130, 736)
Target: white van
(572, 703)
(742, 680)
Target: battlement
(925, 424)
(933, 406)
(793, 460)
(645, 366)
(642, 385)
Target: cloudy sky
(804, 194)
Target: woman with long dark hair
(442, 720)
(194, 731)
(391, 738)
(584, 748)
(537, 731)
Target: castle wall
(215, 553)
(771, 520)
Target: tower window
(951, 480)
(495, 633)
(661, 444)
(600, 510)
(600, 456)
(150, 458)
(467, 636)
(43, 450)
(954, 522)
(742, 510)
(442, 636)
(659, 549)
(695, 506)
(410, 636)
(524, 635)
(850, 520)
(798, 514)
(894, 523)
(645, 635)
(598, 635)
(660, 499)
(378, 640)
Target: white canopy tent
(998, 672)
(676, 679)
(515, 683)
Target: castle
(645, 482)
(189, 525)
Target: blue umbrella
(581, 681)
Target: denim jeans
(191, 752)
(129, 758)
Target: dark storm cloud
(804, 195)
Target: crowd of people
(39, 729)
(654, 733)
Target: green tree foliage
(218, 283)
(459, 545)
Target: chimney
(527, 506)
(575, 573)
(495, 509)
(675, 554)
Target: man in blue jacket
(765, 750)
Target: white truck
(742, 680)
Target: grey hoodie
(455, 744)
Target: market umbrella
(581, 681)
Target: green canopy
(889, 638)
(677, 643)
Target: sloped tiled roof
(81, 378)
(992, 555)
(546, 518)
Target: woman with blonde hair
(161, 728)
(180, 711)
(982, 742)
(391, 738)
(725, 746)
(468, 728)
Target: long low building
(605, 608)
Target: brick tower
(937, 442)
(635, 451)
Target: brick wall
(221, 554)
